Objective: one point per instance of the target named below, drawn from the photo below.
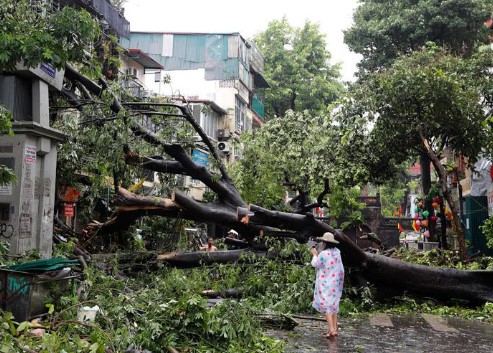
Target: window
(238, 152)
(239, 114)
(4, 212)
(209, 120)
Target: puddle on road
(410, 334)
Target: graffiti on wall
(6, 230)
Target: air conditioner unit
(223, 134)
(223, 146)
(131, 71)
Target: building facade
(220, 75)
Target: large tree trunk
(447, 194)
(390, 276)
(398, 277)
(200, 258)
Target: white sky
(248, 18)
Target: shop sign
(68, 210)
(200, 157)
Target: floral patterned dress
(329, 282)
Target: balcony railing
(256, 59)
(110, 13)
(258, 107)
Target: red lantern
(433, 218)
(416, 216)
(424, 223)
(435, 204)
(436, 199)
(448, 214)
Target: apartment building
(135, 66)
(220, 75)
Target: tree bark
(395, 276)
(200, 258)
(447, 194)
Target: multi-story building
(135, 66)
(221, 68)
(219, 74)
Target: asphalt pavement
(382, 333)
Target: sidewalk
(382, 333)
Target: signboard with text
(68, 210)
(200, 157)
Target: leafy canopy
(298, 68)
(297, 148)
(303, 150)
(38, 34)
(430, 94)
(383, 30)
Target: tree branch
(149, 163)
(73, 75)
(307, 226)
(225, 191)
(185, 113)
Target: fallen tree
(390, 276)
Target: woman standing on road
(329, 281)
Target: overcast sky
(248, 18)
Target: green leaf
(51, 308)
(22, 326)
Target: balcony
(135, 87)
(256, 59)
(104, 9)
(258, 107)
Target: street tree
(298, 68)
(383, 33)
(229, 209)
(383, 30)
(421, 106)
(298, 153)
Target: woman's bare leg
(329, 322)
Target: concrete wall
(31, 200)
(28, 206)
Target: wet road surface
(382, 333)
